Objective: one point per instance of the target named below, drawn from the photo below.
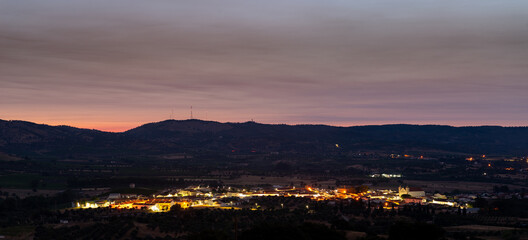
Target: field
(17, 232)
(29, 181)
(283, 181)
(449, 186)
(485, 231)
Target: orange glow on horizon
(118, 125)
(101, 126)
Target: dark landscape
(193, 136)
(60, 182)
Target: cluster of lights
(386, 175)
(204, 197)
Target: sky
(116, 64)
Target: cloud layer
(115, 64)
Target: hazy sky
(115, 64)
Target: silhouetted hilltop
(176, 136)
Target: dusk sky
(115, 64)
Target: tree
(176, 208)
(34, 184)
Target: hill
(19, 138)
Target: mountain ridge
(170, 136)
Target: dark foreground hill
(21, 138)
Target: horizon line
(251, 121)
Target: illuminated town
(237, 198)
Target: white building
(413, 192)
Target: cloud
(278, 61)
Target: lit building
(413, 192)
